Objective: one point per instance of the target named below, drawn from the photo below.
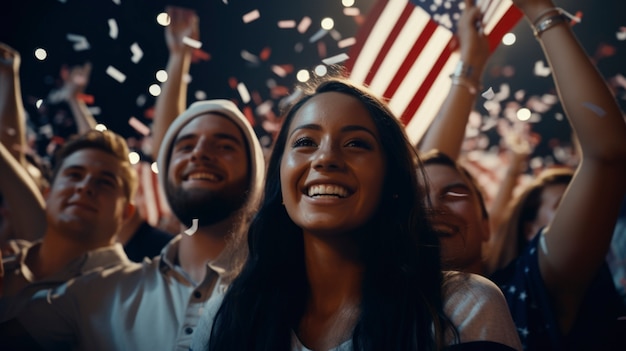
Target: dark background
(29, 24)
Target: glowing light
(38, 103)
(155, 90)
(163, 19)
(509, 39)
(41, 54)
(523, 114)
(347, 3)
(303, 75)
(321, 70)
(133, 157)
(161, 75)
(154, 167)
(100, 127)
(328, 23)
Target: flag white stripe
(399, 50)
(428, 109)
(377, 39)
(414, 78)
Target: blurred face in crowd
(458, 218)
(208, 171)
(332, 169)
(550, 198)
(87, 198)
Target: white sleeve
(478, 310)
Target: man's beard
(207, 206)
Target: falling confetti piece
(246, 55)
(541, 70)
(335, 59)
(279, 71)
(351, 11)
(317, 36)
(595, 108)
(139, 126)
(488, 94)
(335, 35)
(113, 29)
(621, 35)
(194, 227)
(346, 42)
(80, 41)
(251, 16)
(287, 24)
(265, 53)
(243, 92)
(137, 53)
(117, 2)
(304, 24)
(116, 74)
(196, 44)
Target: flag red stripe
(393, 35)
(409, 61)
(410, 110)
(505, 24)
(364, 33)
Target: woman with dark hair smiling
(342, 256)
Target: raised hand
(75, 80)
(183, 23)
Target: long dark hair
(401, 302)
(520, 212)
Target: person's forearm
(173, 98)
(83, 118)
(12, 116)
(23, 198)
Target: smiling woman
(341, 223)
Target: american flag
(405, 52)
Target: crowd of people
(344, 236)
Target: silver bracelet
(549, 23)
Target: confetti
(304, 24)
(287, 24)
(194, 227)
(351, 11)
(251, 16)
(243, 92)
(595, 108)
(541, 69)
(113, 29)
(335, 34)
(621, 35)
(346, 42)
(116, 74)
(137, 53)
(317, 36)
(80, 42)
(117, 2)
(196, 44)
(246, 55)
(488, 94)
(335, 59)
(139, 126)
(279, 71)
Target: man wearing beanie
(212, 168)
